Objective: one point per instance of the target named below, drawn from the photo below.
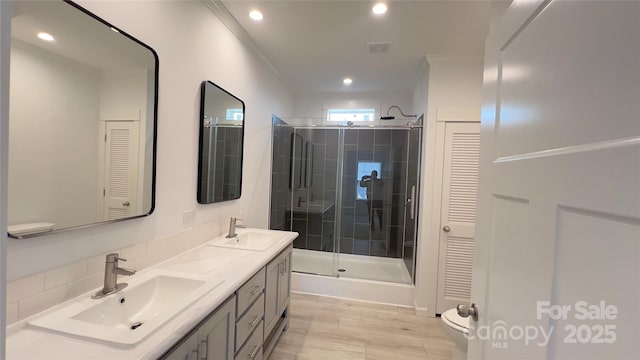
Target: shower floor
(355, 266)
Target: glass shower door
(351, 194)
(414, 153)
(372, 204)
(312, 212)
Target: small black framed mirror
(221, 145)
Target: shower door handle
(411, 201)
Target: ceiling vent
(378, 47)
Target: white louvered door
(458, 214)
(121, 169)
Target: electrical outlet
(188, 216)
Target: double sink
(152, 298)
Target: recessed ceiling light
(379, 8)
(255, 15)
(347, 81)
(45, 36)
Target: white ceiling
(78, 36)
(314, 44)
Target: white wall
(42, 83)
(454, 91)
(193, 45)
(123, 94)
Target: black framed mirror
(83, 104)
(221, 140)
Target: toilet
(457, 328)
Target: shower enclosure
(351, 193)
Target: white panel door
(121, 169)
(558, 230)
(458, 214)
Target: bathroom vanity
(249, 323)
(241, 317)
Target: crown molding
(435, 59)
(221, 11)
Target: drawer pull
(254, 352)
(256, 290)
(255, 322)
(202, 349)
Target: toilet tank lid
(452, 315)
(30, 228)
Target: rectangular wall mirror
(221, 139)
(83, 100)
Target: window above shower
(353, 115)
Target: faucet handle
(113, 257)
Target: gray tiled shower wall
(356, 235)
(228, 149)
(280, 176)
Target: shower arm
(400, 110)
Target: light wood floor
(323, 328)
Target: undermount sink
(128, 316)
(250, 239)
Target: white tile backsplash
(25, 287)
(65, 274)
(153, 258)
(96, 263)
(81, 286)
(35, 293)
(133, 252)
(12, 313)
(171, 241)
(44, 300)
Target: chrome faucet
(111, 271)
(232, 227)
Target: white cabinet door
(559, 195)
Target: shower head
(391, 117)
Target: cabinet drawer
(249, 292)
(249, 321)
(252, 350)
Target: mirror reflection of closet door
(119, 169)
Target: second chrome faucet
(111, 272)
(232, 227)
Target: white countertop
(236, 266)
